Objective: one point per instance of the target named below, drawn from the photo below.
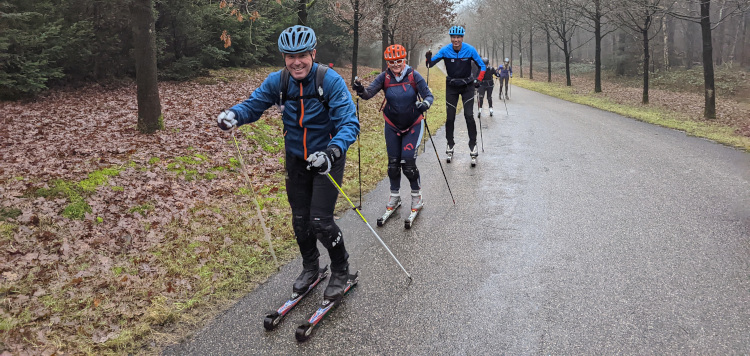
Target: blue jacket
(401, 100)
(505, 72)
(313, 129)
(458, 64)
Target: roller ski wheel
(388, 213)
(272, 320)
(449, 151)
(305, 330)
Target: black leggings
(312, 198)
(485, 89)
(451, 98)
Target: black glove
(322, 161)
(422, 106)
(476, 83)
(428, 56)
(358, 87)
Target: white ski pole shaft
(368, 224)
(257, 205)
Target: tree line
(636, 36)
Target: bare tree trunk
(355, 45)
(384, 32)
(744, 57)
(720, 35)
(622, 43)
(302, 12)
(709, 111)
(144, 35)
(549, 57)
(598, 48)
(531, 52)
(646, 57)
(566, 52)
(520, 55)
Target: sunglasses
(396, 62)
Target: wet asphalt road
(579, 232)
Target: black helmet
(486, 60)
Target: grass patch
(9, 213)
(666, 118)
(76, 191)
(142, 209)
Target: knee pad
(327, 232)
(410, 170)
(301, 226)
(394, 168)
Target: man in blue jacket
(458, 57)
(320, 123)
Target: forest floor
(114, 242)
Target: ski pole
(257, 205)
(502, 97)
(368, 224)
(435, 147)
(359, 160)
(481, 137)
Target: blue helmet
(456, 31)
(297, 39)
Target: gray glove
(423, 105)
(226, 120)
(322, 161)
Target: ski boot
(273, 319)
(416, 206)
(490, 111)
(394, 202)
(337, 285)
(507, 96)
(342, 282)
(449, 152)
(480, 113)
(474, 153)
(306, 278)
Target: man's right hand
(226, 120)
(428, 57)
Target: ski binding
(305, 330)
(388, 213)
(272, 320)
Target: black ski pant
(312, 198)
(503, 80)
(467, 96)
(485, 90)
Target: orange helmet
(394, 52)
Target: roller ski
(394, 202)
(272, 320)
(449, 151)
(474, 155)
(416, 206)
(338, 287)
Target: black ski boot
(337, 284)
(306, 278)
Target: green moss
(118, 188)
(98, 178)
(154, 160)
(9, 213)
(142, 209)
